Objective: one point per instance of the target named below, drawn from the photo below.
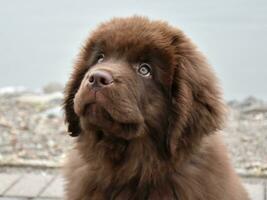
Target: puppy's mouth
(95, 117)
(93, 110)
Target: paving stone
(30, 185)
(256, 191)
(41, 198)
(48, 187)
(55, 189)
(265, 189)
(6, 181)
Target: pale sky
(39, 39)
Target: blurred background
(39, 41)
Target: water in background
(39, 39)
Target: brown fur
(146, 138)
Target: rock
(53, 112)
(12, 90)
(250, 103)
(38, 99)
(53, 87)
(4, 122)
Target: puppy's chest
(135, 191)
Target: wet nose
(100, 79)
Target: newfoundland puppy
(146, 110)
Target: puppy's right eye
(100, 58)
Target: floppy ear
(70, 116)
(71, 89)
(197, 108)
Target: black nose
(100, 79)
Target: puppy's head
(136, 77)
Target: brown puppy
(145, 107)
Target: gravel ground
(246, 135)
(32, 130)
(33, 134)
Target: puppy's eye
(100, 58)
(144, 70)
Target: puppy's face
(136, 77)
(126, 82)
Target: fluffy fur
(146, 137)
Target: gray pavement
(32, 186)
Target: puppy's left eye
(144, 70)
